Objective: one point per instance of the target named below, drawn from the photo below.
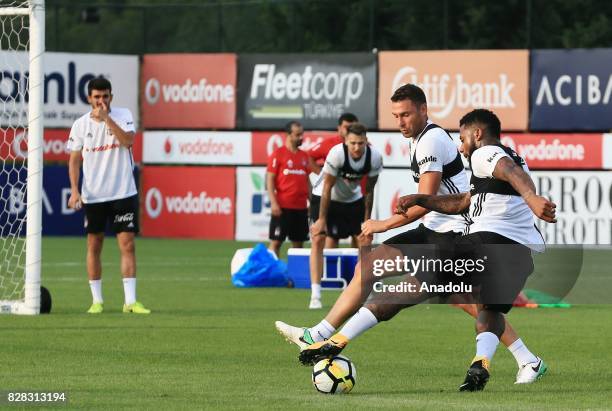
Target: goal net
(21, 99)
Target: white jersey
(107, 165)
(495, 206)
(434, 150)
(348, 185)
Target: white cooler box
(338, 267)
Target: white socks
(129, 289)
(315, 291)
(321, 331)
(486, 344)
(96, 291)
(359, 323)
(521, 353)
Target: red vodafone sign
(194, 202)
(557, 151)
(265, 142)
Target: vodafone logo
(546, 149)
(152, 91)
(201, 203)
(275, 141)
(168, 146)
(54, 146)
(153, 203)
(198, 91)
(18, 150)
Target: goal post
(20, 260)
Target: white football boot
(296, 335)
(531, 372)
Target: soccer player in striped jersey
(501, 203)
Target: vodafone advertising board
(456, 82)
(55, 142)
(567, 151)
(196, 147)
(195, 202)
(189, 90)
(65, 85)
(265, 142)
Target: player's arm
(74, 170)
(446, 204)
(507, 170)
(429, 183)
(126, 138)
(270, 185)
(369, 196)
(318, 228)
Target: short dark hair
(410, 92)
(348, 117)
(357, 129)
(483, 117)
(290, 125)
(98, 83)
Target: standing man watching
(287, 183)
(342, 206)
(103, 138)
(319, 152)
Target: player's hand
(75, 202)
(370, 227)
(405, 202)
(318, 228)
(364, 240)
(100, 113)
(543, 208)
(276, 210)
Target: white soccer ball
(334, 375)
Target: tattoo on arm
(446, 204)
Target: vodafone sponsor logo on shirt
(196, 147)
(569, 151)
(188, 202)
(456, 82)
(265, 142)
(189, 90)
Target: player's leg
(352, 297)
(125, 225)
(276, 234)
(95, 218)
(523, 356)
(297, 229)
(95, 241)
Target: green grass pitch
(208, 345)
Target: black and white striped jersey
(495, 206)
(434, 150)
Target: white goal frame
(30, 305)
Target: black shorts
(507, 265)
(433, 245)
(343, 219)
(291, 223)
(121, 214)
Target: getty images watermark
(436, 275)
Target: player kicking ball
(500, 205)
(437, 169)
